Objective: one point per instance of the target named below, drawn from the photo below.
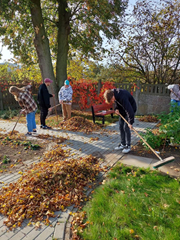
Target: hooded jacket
(125, 103)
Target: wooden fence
(150, 98)
(7, 100)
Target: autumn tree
(44, 31)
(151, 42)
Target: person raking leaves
(65, 99)
(28, 105)
(125, 105)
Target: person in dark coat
(125, 105)
(44, 101)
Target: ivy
(85, 92)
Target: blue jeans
(31, 123)
(125, 132)
(175, 101)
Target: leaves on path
(50, 185)
(148, 118)
(77, 224)
(79, 124)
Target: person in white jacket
(175, 93)
(65, 99)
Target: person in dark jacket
(44, 101)
(126, 106)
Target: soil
(16, 151)
(165, 151)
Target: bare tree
(151, 43)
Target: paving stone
(49, 231)
(102, 148)
(59, 230)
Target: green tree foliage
(151, 43)
(82, 68)
(118, 73)
(44, 31)
(14, 73)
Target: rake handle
(55, 105)
(15, 123)
(141, 138)
(175, 94)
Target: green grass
(134, 204)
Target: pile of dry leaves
(51, 185)
(79, 124)
(148, 118)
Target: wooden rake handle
(16, 123)
(175, 94)
(54, 104)
(141, 138)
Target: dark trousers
(43, 115)
(125, 133)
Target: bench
(102, 110)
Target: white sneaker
(34, 134)
(120, 147)
(127, 149)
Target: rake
(49, 113)
(159, 163)
(16, 123)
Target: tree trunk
(41, 43)
(62, 41)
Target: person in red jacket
(125, 105)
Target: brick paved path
(81, 145)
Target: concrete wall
(151, 104)
(150, 98)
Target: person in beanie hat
(44, 101)
(125, 105)
(65, 99)
(29, 107)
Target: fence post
(1, 100)
(99, 86)
(137, 94)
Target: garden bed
(165, 151)
(16, 150)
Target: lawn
(132, 204)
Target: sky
(7, 55)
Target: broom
(159, 163)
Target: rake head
(163, 162)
